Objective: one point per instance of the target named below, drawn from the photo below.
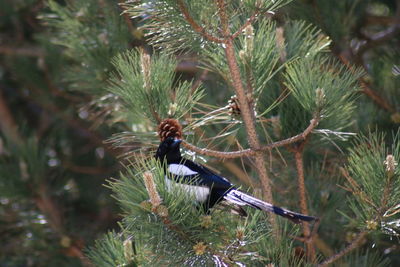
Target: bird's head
(169, 149)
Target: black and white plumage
(208, 187)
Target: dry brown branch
(382, 20)
(91, 170)
(280, 43)
(46, 204)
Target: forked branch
(195, 26)
(250, 152)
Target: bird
(209, 188)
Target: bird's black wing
(189, 172)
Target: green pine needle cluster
(373, 178)
(322, 87)
(91, 40)
(177, 231)
(112, 250)
(148, 88)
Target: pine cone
(169, 128)
(234, 107)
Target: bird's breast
(200, 193)
(180, 170)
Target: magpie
(207, 187)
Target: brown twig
(221, 8)
(91, 170)
(49, 208)
(297, 149)
(353, 245)
(298, 154)
(280, 43)
(251, 152)
(302, 136)
(195, 26)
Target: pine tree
(279, 96)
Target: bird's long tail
(240, 198)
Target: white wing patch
(180, 170)
(200, 193)
(232, 198)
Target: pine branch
(195, 26)
(353, 245)
(251, 152)
(298, 154)
(246, 112)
